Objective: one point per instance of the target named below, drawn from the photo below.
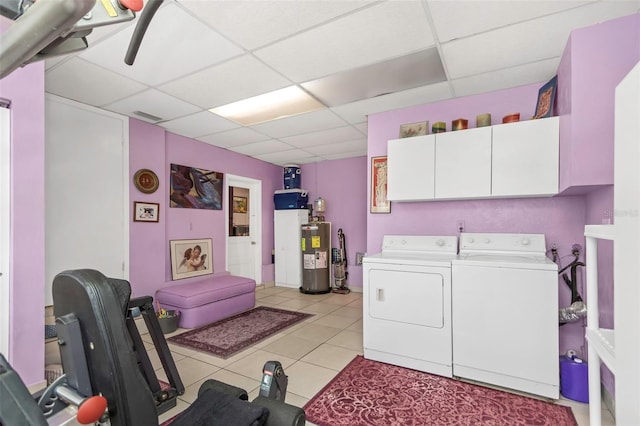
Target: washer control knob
(403, 242)
(440, 242)
(487, 240)
(526, 242)
(470, 240)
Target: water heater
(316, 258)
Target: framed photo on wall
(379, 201)
(191, 258)
(146, 212)
(239, 204)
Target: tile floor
(312, 352)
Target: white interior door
(5, 174)
(244, 227)
(86, 190)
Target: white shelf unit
(619, 348)
(601, 340)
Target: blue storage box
(285, 199)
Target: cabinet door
(410, 166)
(463, 164)
(525, 158)
(288, 255)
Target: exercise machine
(108, 377)
(47, 28)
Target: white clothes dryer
(407, 302)
(505, 312)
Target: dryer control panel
(502, 243)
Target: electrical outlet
(359, 257)
(460, 225)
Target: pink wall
(152, 147)
(593, 63)
(343, 185)
(25, 89)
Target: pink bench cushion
(200, 293)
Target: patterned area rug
(372, 393)
(231, 335)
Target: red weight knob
(91, 409)
(135, 5)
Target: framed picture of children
(191, 258)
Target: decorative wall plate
(146, 181)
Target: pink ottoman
(209, 300)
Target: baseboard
(267, 284)
(608, 401)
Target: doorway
(244, 227)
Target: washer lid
(506, 261)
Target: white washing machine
(407, 302)
(505, 312)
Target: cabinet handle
(380, 295)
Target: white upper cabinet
(508, 160)
(525, 158)
(463, 164)
(410, 165)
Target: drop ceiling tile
(531, 41)
(257, 23)
(299, 124)
(296, 156)
(198, 124)
(363, 127)
(338, 148)
(175, 44)
(235, 137)
(371, 35)
(264, 147)
(459, 19)
(85, 82)
(506, 78)
(356, 112)
(340, 156)
(231, 81)
(155, 103)
(408, 71)
(330, 136)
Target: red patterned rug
(370, 393)
(231, 335)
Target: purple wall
(343, 184)
(25, 89)
(152, 147)
(594, 61)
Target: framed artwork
(379, 202)
(414, 129)
(146, 181)
(146, 212)
(191, 258)
(193, 188)
(546, 99)
(239, 204)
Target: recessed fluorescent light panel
(269, 106)
(395, 75)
